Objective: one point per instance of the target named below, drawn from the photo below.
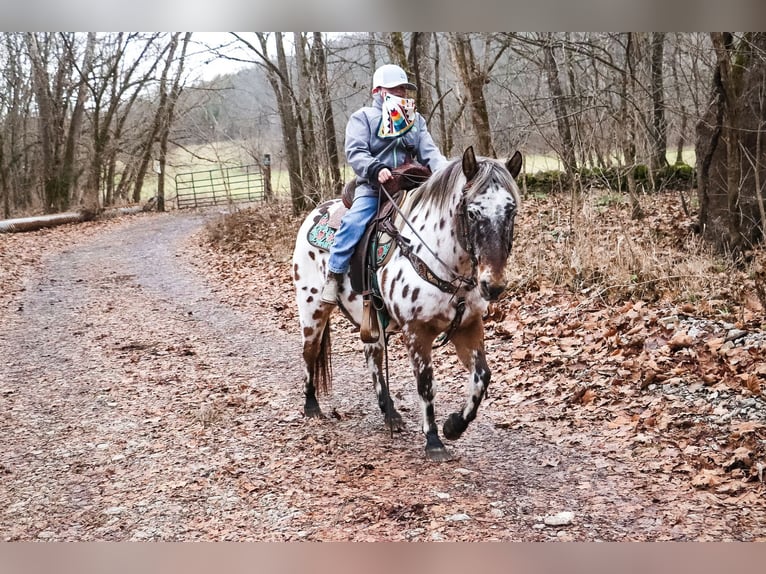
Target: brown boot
(330, 289)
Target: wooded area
(85, 117)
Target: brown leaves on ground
(627, 372)
(617, 335)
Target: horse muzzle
(491, 291)
(491, 286)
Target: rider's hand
(384, 175)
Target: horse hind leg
(373, 354)
(317, 359)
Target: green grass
(534, 163)
(230, 154)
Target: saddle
(407, 176)
(366, 259)
(369, 253)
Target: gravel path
(138, 404)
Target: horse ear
(514, 164)
(469, 163)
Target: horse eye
(472, 215)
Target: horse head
(489, 204)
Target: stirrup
(369, 330)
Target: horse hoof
(313, 412)
(438, 455)
(454, 426)
(395, 423)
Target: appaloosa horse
(448, 261)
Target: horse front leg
(420, 356)
(469, 343)
(373, 354)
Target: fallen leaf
(707, 478)
(680, 340)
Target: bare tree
(560, 106)
(114, 86)
(305, 115)
(55, 81)
(659, 132)
(16, 185)
(169, 93)
(628, 123)
(319, 60)
(729, 143)
(473, 78)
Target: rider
(378, 138)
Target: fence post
(267, 192)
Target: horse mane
(440, 188)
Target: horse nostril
(490, 292)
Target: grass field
(222, 155)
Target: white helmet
(391, 76)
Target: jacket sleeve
(358, 153)
(428, 153)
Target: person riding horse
(378, 138)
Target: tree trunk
(305, 114)
(560, 108)
(396, 52)
(730, 155)
(659, 132)
(371, 52)
(78, 111)
(282, 89)
(328, 121)
(420, 45)
(170, 107)
(682, 112)
(628, 125)
(440, 111)
(15, 182)
(50, 122)
(473, 79)
(279, 78)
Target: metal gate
(217, 186)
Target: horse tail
(323, 365)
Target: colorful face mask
(398, 116)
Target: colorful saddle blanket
(322, 233)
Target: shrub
(678, 176)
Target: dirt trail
(137, 404)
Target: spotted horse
(449, 261)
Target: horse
(448, 262)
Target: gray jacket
(367, 153)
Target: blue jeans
(350, 232)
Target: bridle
(458, 282)
(460, 285)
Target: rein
(420, 266)
(426, 273)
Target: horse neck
(436, 227)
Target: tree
(305, 114)
(55, 81)
(560, 106)
(114, 87)
(730, 153)
(659, 132)
(169, 93)
(319, 60)
(628, 121)
(473, 77)
(16, 189)
(279, 79)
